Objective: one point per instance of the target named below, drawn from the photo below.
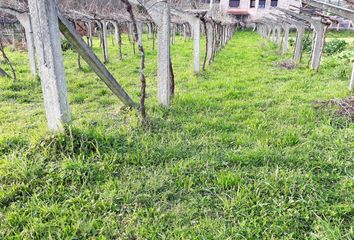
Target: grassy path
(243, 153)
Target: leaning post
(50, 59)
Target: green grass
(340, 34)
(242, 153)
(347, 35)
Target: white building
(246, 10)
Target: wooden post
(50, 58)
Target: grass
(346, 35)
(242, 153)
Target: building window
(208, 1)
(253, 4)
(262, 4)
(274, 3)
(234, 3)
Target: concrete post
(285, 46)
(89, 27)
(267, 31)
(131, 31)
(92, 60)
(351, 85)
(104, 41)
(258, 28)
(50, 58)
(31, 48)
(13, 33)
(173, 35)
(278, 39)
(226, 29)
(300, 31)
(164, 55)
(185, 32)
(196, 36)
(161, 14)
(195, 25)
(149, 30)
(273, 29)
(261, 30)
(140, 26)
(118, 39)
(223, 36)
(162, 17)
(318, 45)
(319, 36)
(210, 42)
(26, 22)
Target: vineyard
(199, 129)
